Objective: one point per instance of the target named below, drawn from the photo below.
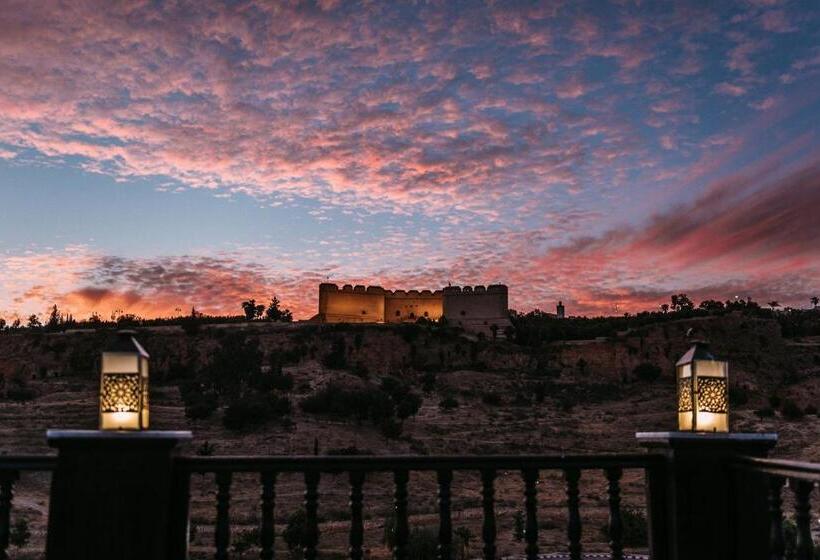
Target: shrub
(295, 532)
(647, 372)
(200, 405)
(245, 540)
(274, 381)
(491, 398)
(337, 358)
(206, 449)
(811, 409)
(428, 382)
(390, 428)
(790, 410)
(448, 403)
(765, 412)
(635, 531)
(518, 526)
(775, 401)
(253, 410)
(738, 395)
(422, 542)
(19, 534)
(409, 405)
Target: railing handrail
(386, 463)
(28, 462)
(780, 467)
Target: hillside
(562, 397)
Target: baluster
(777, 545)
(488, 503)
(222, 533)
(7, 479)
(311, 514)
(531, 506)
(802, 518)
(574, 520)
(445, 527)
(356, 523)
(266, 536)
(402, 530)
(613, 476)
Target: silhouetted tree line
(537, 327)
(57, 321)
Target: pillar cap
(706, 436)
(54, 436)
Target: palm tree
(815, 301)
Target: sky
(156, 156)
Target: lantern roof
(699, 351)
(124, 341)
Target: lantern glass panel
(712, 394)
(685, 397)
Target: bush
(359, 403)
(253, 410)
(274, 382)
(791, 411)
(19, 534)
(491, 398)
(738, 396)
(428, 382)
(295, 532)
(448, 403)
(647, 372)
(337, 358)
(765, 412)
(635, 531)
(422, 542)
(246, 539)
(200, 405)
(775, 401)
(811, 409)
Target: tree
(274, 313)
(711, 305)
(54, 319)
(2, 323)
(815, 301)
(34, 322)
(773, 305)
(665, 307)
(252, 311)
(681, 302)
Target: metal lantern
(124, 384)
(703, 391)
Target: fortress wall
(402, 306)
(476, 308)
(351, 304)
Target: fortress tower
(476, 309)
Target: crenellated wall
(351, 304)
(475, 308)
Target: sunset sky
(158, 155)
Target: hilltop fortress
(475, 308)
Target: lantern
(703, 391)
(124, 385)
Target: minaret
(559, 310)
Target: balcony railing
(801, 478)
(11, 466)
(708, 497)
(357, 470)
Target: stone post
(700, 507)
(111, 494)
